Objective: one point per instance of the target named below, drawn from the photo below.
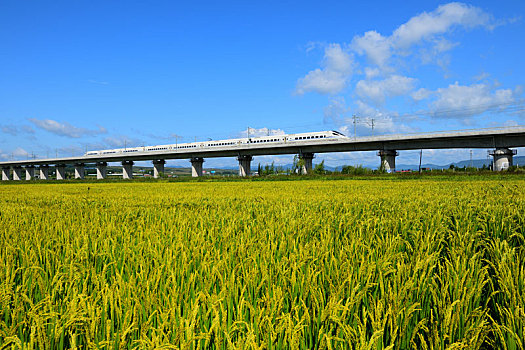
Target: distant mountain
(476, 163)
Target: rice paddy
(354, 264)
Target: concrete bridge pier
(60, 170)
(244, 165)
(388, 160)
(158, 168)
(127, 169)
(79, 171)
(17, 173)
(6, 173)
(306, 167)
(502, 158)
(101, 170)
(196, 166)
(30, 172)
(44, 172)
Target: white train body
(210, 145)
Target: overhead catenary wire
(512, 107)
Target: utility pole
(354, 117)
(177, 137)
(420, 158)
(471, 164)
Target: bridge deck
(479, 138)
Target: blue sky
(97, 74)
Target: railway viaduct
(499, 140)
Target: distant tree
(357, 170)
(347, 169)
(319, 168)
(298, 164)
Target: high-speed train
(201, 146)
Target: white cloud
(443, 45)
(20, 152)
(10, 129)
(426, 38)
(460, 101)
(332, 78)
(371, 72)
(65, 129)
(427, 25)
(373, 121)
(421, 94)
(481, 76)
(376, 47)
(435, 53)
(27, 129)
(336, 110)
(15, 130)
(377, 91)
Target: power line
(507, 107)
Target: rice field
(353, 264)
